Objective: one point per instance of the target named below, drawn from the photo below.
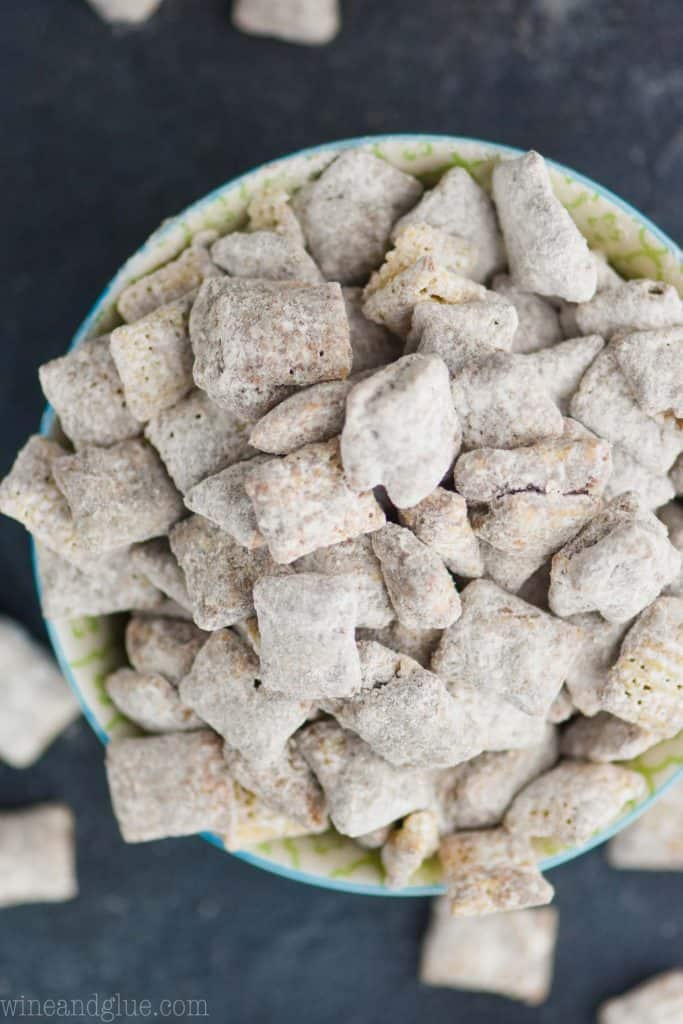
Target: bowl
(89, 648)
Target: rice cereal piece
(652, 363)
(269, 210)
(118, 495)
(287, 785)
(510, 570)
(222, 500)
(425, 280)
(150, 701)
(37, 855)
(412, 243)
(546, 251)
(419, 585)
(508, 648)
(458, 205)
(306, 622)
(464, 332)
(489, 871)
(224, 688)
(656, 1001)
(653, 489)
(220, 573)
(418, 644)
(174, 785)
(616, 565)
(133, 12)
(36, 702)
(401, 430)
(154, 358)
(536, 525)
(266, 255)
(306, 417)
(538, 322)
(510, 955)
(363, 791)
(477, 794)
(371, 344)
(654, 842)
(637, 305)
(307, 22)
(503, 403)
(562, 366)
(170, 282)
(163, 646)
(416, 839)
(598, 652)
(354, 560)
(156, 562)
(645, 684)
(303, 502)
(196, 438)
(113, 584)
(605, 738)
(254, 340)
(86, 392)
(347, 214)
(440, 521)
(573, 801)
(562, 708)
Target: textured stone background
(105, 133)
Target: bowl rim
(48, 419)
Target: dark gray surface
(105, 133)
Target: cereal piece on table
(418, 644)
(573, 801)
(645, 684)
(652, 363)
(510, 570)
(489, 871)
(255, 340)
(306, 622)
(150, 701)
(604, 403)
(459, 206)
(35, 700)
(538, 322)
(546, 251)
(412, 243)
(269, 210)
(175, 785)
(507, 648)
(86, 392)
(510, 955)
(598, 652)
(401, 430)
(220, 573)
(347, 214)
(653, 489)
(440, 521)
(562, 708)
(405, 713)
(416, 839)
(307, 22)
(166, 647)
(464, 332)
(157, 563)
(287, 785)
(371, 344)
(306, 417)
(154, 358)
(656, 1001)
(37, 855)
(503, 403)
(536, 525)
(605, 738)
(654, 842)
(363, 791)
(478, 793)
(118, 495)
(224, 688)
(265, 255)
(562, 366)
(639, 305)
(222, 500)
(393, 303)
(672, 517)
(303, 502)
(196, 438)
(419, 585)
(113, 584)
(676, 475)
(616, 565)
(355, 561)
(133, 12)
(170, 282)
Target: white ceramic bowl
(89, 648)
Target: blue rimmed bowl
(89, 648)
